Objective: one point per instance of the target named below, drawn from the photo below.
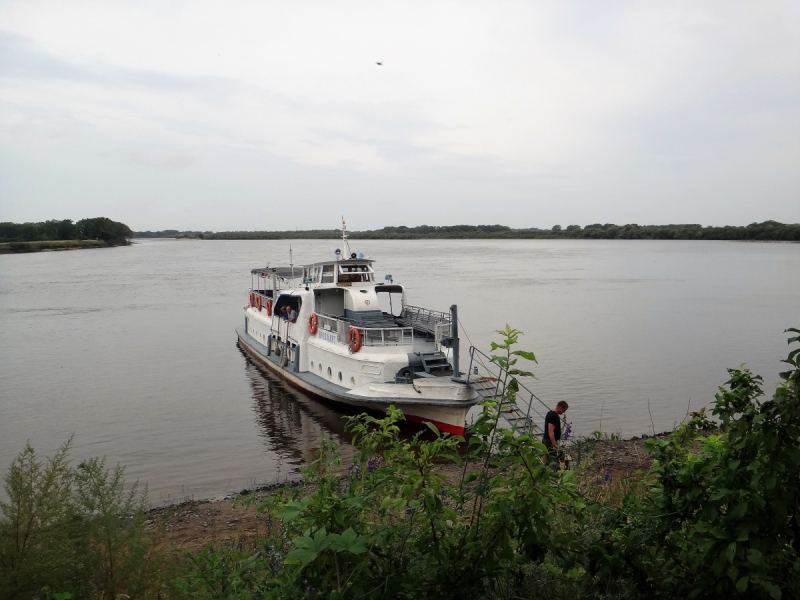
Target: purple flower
(350, 468)
(567, 431)
(607, 476)
(371, 464)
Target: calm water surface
(133, 349)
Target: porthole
(330, 373)
(340, 375)
(312, 364)
(320, 368)
(353, 381)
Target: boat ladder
(486, 377)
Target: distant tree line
(766, 231)
(111, 232)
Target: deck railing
(423, 319)
(336, 330)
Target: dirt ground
(191, 525)
(620, 458)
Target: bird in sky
(379, 63)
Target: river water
(133, 349)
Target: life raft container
(312, 324)
(354, 340)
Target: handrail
(370, 336)
(500, 377)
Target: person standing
(552, 430)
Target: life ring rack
(354, 340)
(313, 325)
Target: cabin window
(313, 274)
(354, 273)
(286, 300)
(327, 274)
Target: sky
(274, 115)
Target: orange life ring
(252, 298)
(312, 323)
(269, 307)
(258, 302)
(354, 340)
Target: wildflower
(567, 431)
(371, 464)
(606, 475)
(350, 468)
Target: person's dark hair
(563, 405)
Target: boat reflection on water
(292, 422)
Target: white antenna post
(344, 239)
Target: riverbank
(192, 524)
(50, 246)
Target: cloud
(20, 60)
(512, 112)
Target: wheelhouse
(340, 272)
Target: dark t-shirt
(552, 418)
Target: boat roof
(286, 272)
(346, 261)
(279, 271)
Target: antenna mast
(344, 239)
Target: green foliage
(110, 232)
(74, 533)
(37, 524)
(230, 573)
(718, 515)
(733, 499)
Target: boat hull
(445, 404)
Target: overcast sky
(275, 115)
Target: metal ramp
(487, 377)
(422, 319)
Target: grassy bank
(44, 246)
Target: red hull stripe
(447, 427)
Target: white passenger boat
(357, 341)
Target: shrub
(75, 533)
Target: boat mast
(344, 239)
